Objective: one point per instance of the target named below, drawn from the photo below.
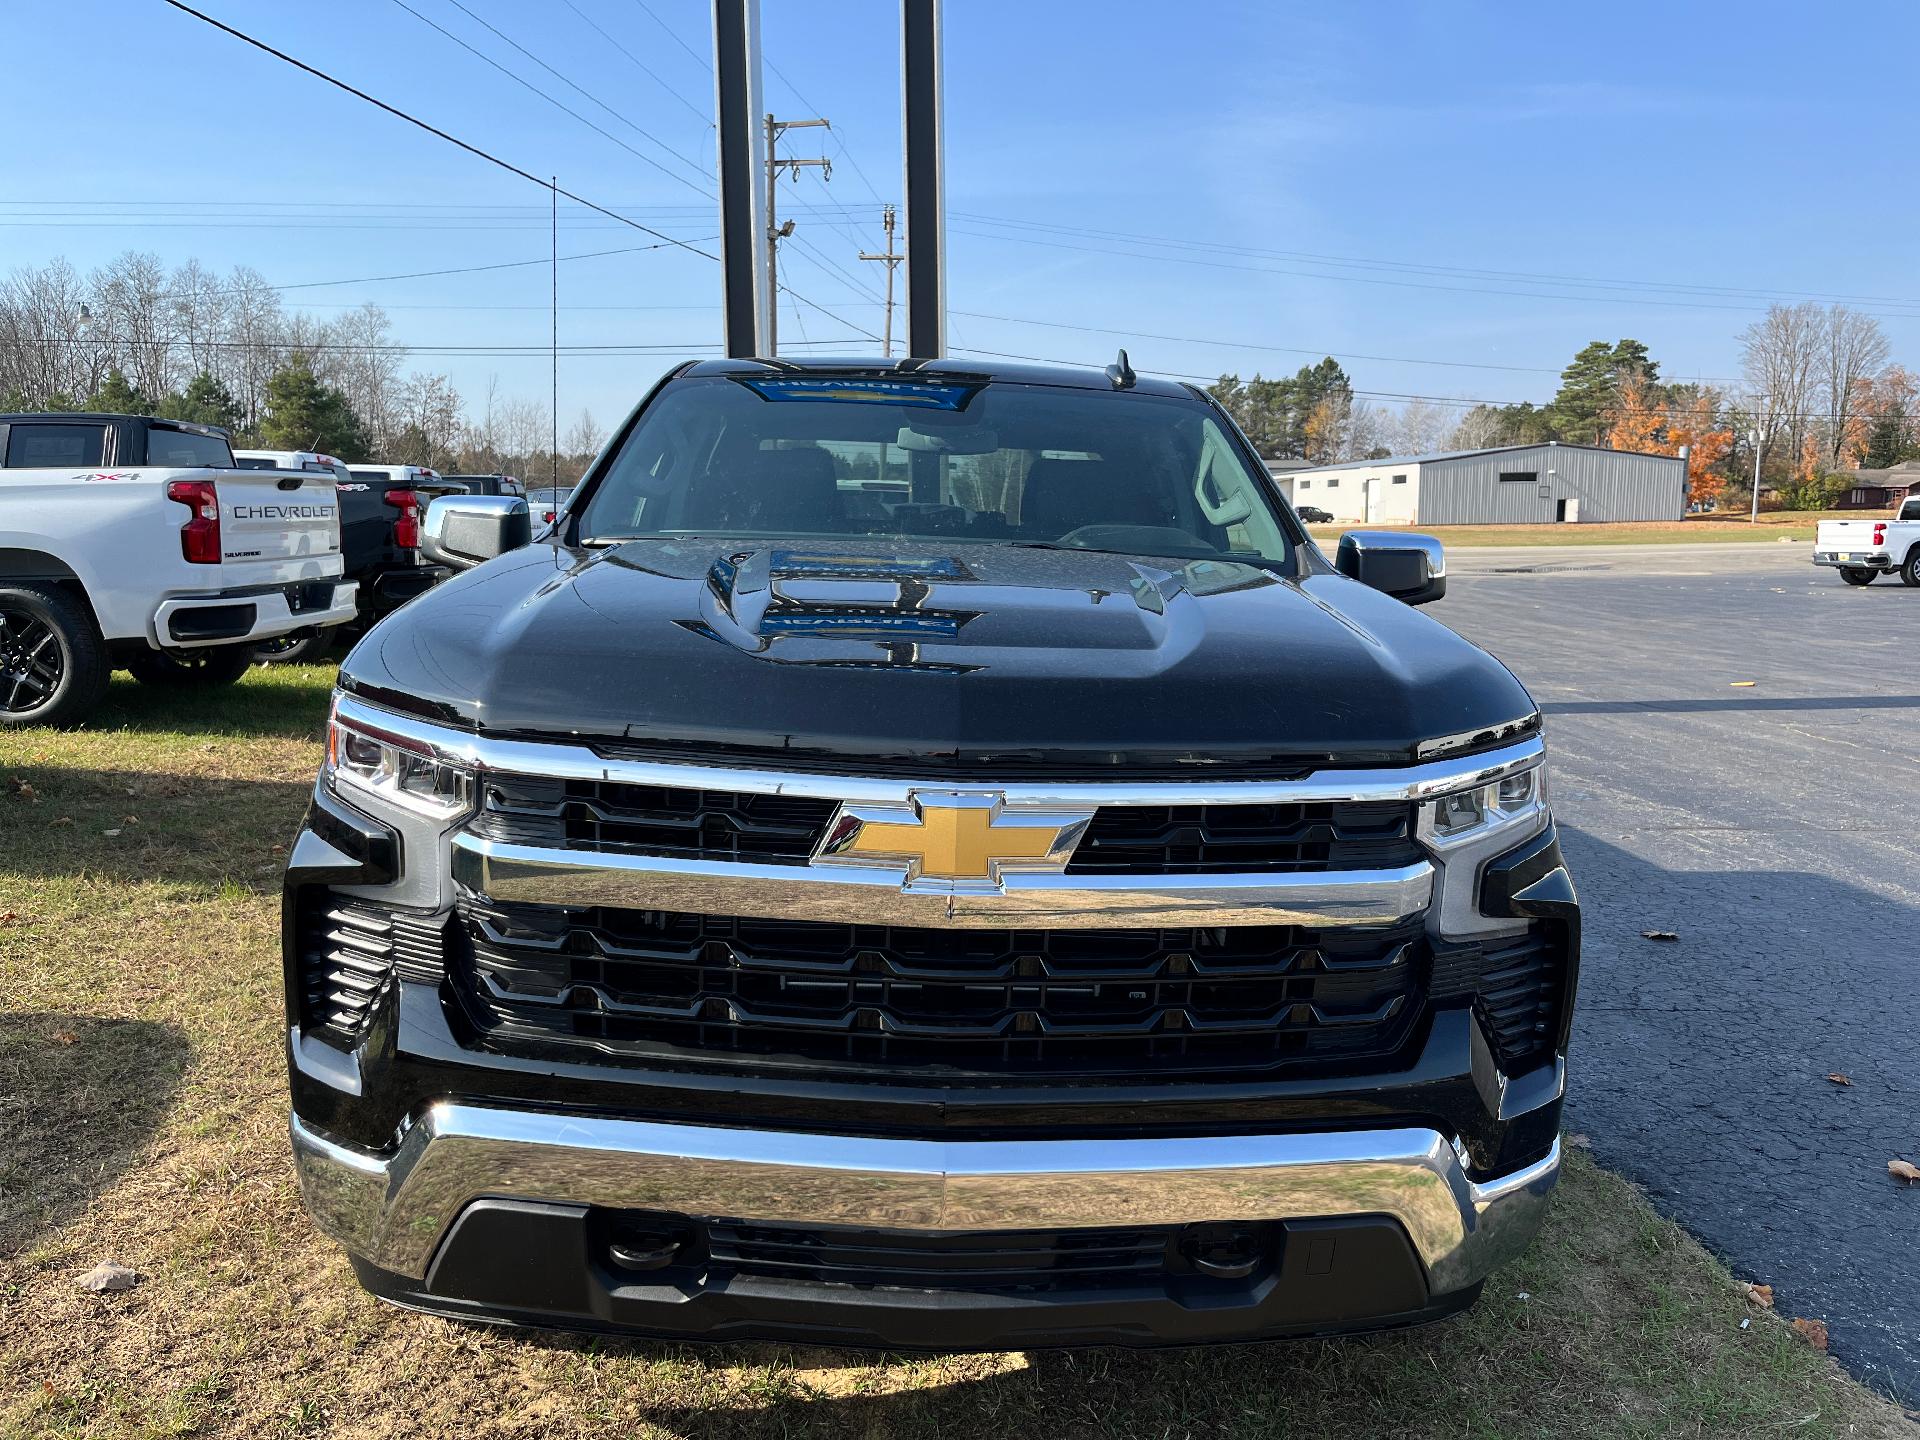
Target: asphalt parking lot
(1771, 827)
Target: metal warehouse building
(1514, 485)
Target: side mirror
(1412, 568)
(467, 530)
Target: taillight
(1879, 533)
(200, 536)
(406, 530)
(547, 519)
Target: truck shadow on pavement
(1701, 1067)
(79, 1096)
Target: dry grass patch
(143, 1121)
(1727, 527)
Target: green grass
(142, 1115)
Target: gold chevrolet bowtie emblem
(954, 837)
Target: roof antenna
(1121, 373)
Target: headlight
(1464, 829)
(398, 770)
(1510, 804)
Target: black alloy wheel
(33, 664)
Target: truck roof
(104, 416)
(1018, 372)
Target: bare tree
(255, 340)
(1366, 431)
(584, 438)
(364, 364)
(132, 304)
(198, 299)
(1854, 351)
(1481, 428)
(1420, 427)
(1781, 357)
(428, 414)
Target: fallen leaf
(1814, 1332)
(1903, 1170)
(1761, 1295)
(130, 819)
(1660, 934)
(7, 917)
(279, 849)
(65, 1037)
(1743, 684)
(61, 820)
(108, 1276)
(1839, 1079)
(21, 790)
(132, 791)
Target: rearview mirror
(468, 530)
(1412, 568)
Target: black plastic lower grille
(349, 953)
(1521, 992)
(887, 997)
(1005, 1260)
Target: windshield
(935, 459)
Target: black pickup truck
(927, 856)
(379, 544)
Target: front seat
(1062, 495)
(768, 490)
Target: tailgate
(1850, 535)
(277, 525)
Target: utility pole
(892, 260)
(776, 232)
(1754, 436)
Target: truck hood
(934, 657)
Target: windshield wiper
(1258, 562)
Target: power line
(430, 274)
(434, 130)
(565, 80)
(560, 105)
(1425, 267)
(1331, 350)
(698, 59)
(545, 185)
(704, 118)
(1380, 280)
(841, 150)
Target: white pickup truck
(137, 543)
(1862, 549)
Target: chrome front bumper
(392, 1210)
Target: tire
(1858, 575)
(53, 662)
(211, 665)
(303, 650)
(1910, 572)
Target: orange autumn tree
(1638, 421)
(1707, 445)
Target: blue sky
(1368, 181)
